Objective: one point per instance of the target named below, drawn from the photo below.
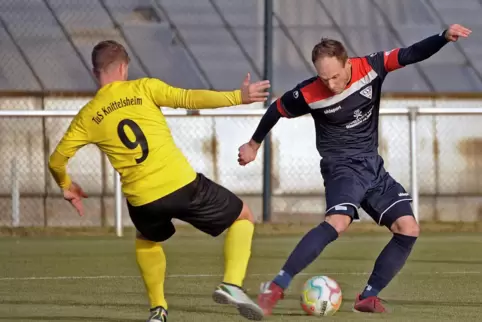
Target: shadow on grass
(214, 308)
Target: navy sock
(388, 264)
(307, 250)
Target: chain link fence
(449, 166)
(26, 147)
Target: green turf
(441, 282)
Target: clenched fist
(247, 152)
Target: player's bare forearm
(58, 169)
(268, 121)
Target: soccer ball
(321, 296)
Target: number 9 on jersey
(140, 138)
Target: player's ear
(120, 68)
(123, 69)
(348, 63)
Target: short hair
(329, 48)
(107, 52)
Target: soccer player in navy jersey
(344, 101)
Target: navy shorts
(351, 183)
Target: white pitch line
(50, 278)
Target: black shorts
(354, 182)
(202, 203)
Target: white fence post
(412, 116)
(119, 227)
(15, 193)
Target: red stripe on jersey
(359, 69)
(317, 91)
(390, 60)
(280, 108)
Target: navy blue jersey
(347, 123)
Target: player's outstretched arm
(168, 96)
(248, 151)
(425, 48)
(71, 142)
(292, 104)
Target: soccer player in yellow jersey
(125, 122)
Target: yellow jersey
(124, 120)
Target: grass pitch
(96, 278)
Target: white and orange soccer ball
(321, 295)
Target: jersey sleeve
(384, 62)
(293, 104)
(74, 138)
(164, 95)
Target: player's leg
(305, 252)
(391, 259)
(151, 260)
(388, 205)
(237, 251)
(344, 190)
(152, 265)
(213, 210)
(312, 244)
(237, 248)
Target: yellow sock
(152, 263)
(237, 250)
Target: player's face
(333, 73)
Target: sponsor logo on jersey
(332, 110)
(360, 117)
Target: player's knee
(246, 214)
(339, 222)
(406, 225)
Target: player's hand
(455, 31)
(74, 194)
(254, 92)
(247, 152)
